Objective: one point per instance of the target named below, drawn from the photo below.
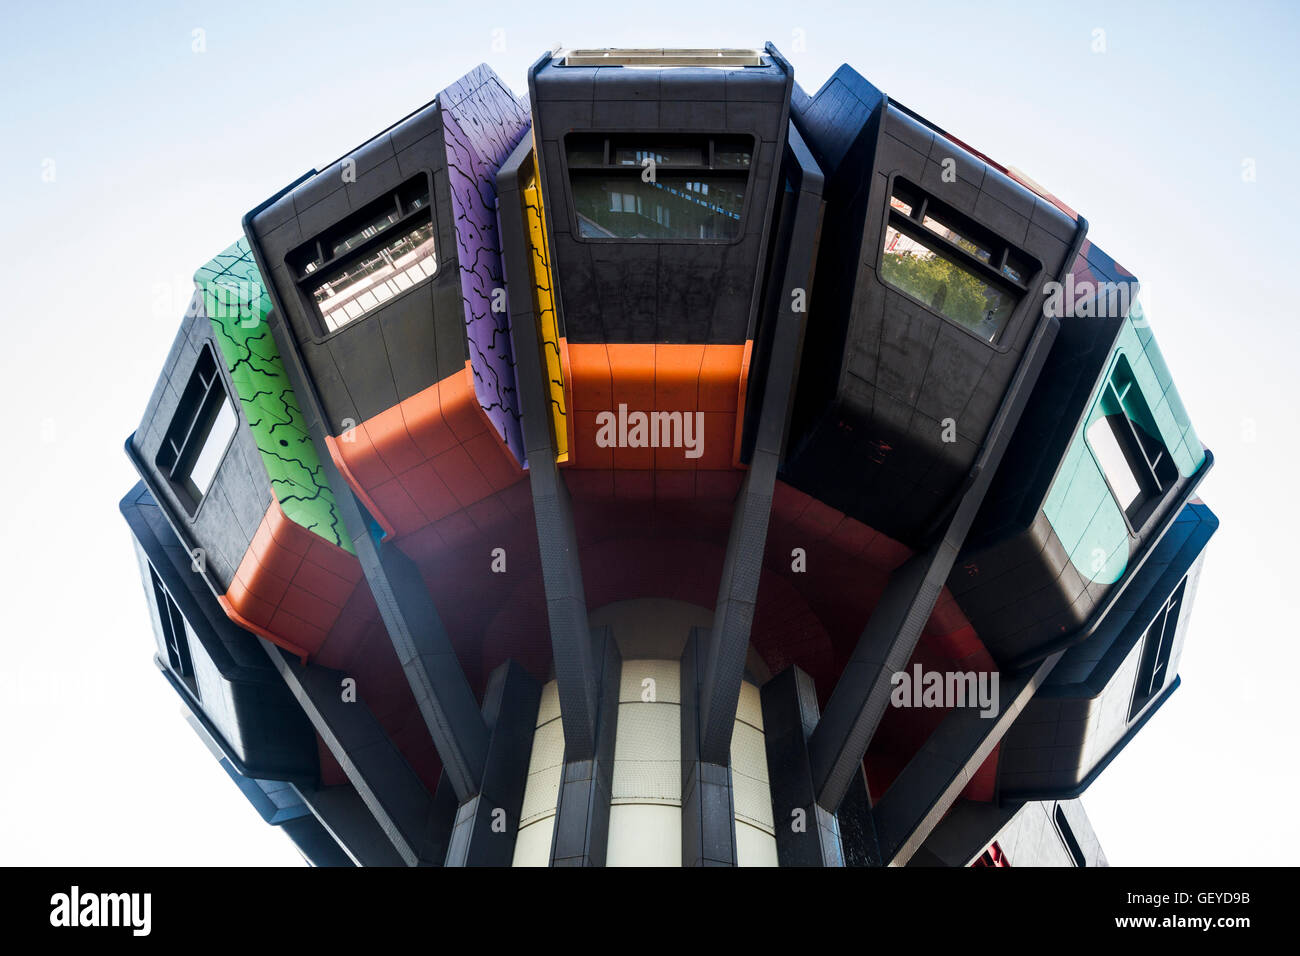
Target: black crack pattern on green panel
(236, 302)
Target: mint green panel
(236, 302)
(1075, 496)
(1140, 348)
(1079, 505)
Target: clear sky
(132, 146)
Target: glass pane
(373, 226)
(1017, 269)
(1114, 463)
(905, 198)
(732, 154)
(941, 227)
(948, 288)
(673, 207)
(220, 429)
(686, 154)
(370, 281)
(586, 150)
(902, 205)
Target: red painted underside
(641, 534)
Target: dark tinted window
(175, 633)
(638, 187)
(672, 207)
(1125, 440)
(199, 434)
(1157, 642)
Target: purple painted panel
(482, 123)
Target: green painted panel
(236, 302)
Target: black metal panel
(679, 291)
(414, 339)
(1087, 712)
(1014, 579)
(252, 717)
(229, 513)
(1028, 600)
(914, 393)
(858, 702)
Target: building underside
(668, 467)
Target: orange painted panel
(291, 585)
(426, 457)
(655, 377)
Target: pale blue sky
(157, 151)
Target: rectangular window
(1125, 441)
(200, 432)
(176, 633)
(631, 187)
(1157, 642)
(661, 59)
(376, 253)
(1067, 837)
(951, 264)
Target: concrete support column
(708, 811)
(385, 782)
(582, 815)
(932, 780)
(486, 824)
(807, 834)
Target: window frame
(1071, 843)
(1141, 465)
(912, 226)
(175, 634)
(304, 285)
(175, 462)
(666, 137)
(1154, 659)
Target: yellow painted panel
(544, 309)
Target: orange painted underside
(291, 585)
(710, 379)
(426, 457)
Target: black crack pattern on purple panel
(483, 122)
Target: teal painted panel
(1079, 506)
(1086, 496)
